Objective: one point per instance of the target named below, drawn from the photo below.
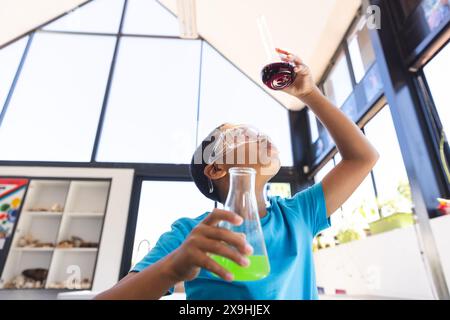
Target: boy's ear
(215, 172)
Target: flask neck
(242, 183)
(241, 193)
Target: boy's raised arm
(358, 155)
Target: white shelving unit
(55, 211)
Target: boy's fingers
(221, 215)
(207, 263)
(287, 56)
(293, 58)
(302, 69)
(221, 249)
(234, 239)
(282, 51)
(297, 61)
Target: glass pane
(324, 171)
(228, 96)
(373, 84)
(9, 62)
(436, 73)
(359, 210)
(338, 85)
(327, 237)
(436, 12)
(350, 108)
(96, 16)
(390, 175)
(361, 50)
(313, 126)
(276, 189)
(152, 109)
(157, 211)
(151, 18)
(54, 112)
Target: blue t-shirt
(289, 228)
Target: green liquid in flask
(258, 269)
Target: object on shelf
(56, 207)
(29, 279)
(76, 242)
(37, 274)
(444, 206)
(29, 242)
(83, 285)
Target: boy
(289, 225)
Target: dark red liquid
(279, 75)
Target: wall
(441, 231)
(387, 265)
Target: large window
(95, 89)
(157, 211)
(390, 175)
(54, 111)
(383, 193)
(152, 111)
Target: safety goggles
(228, 140)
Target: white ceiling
(311, 28)
(18, 17)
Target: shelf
(46, 214)
(85, 214)
(76, 249)
(31, 249)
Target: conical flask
(276, 75)
(242, 200)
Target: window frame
(432, 121)
(365, 107)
